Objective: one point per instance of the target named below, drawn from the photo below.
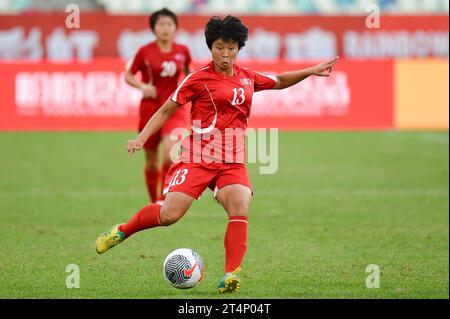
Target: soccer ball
(183, 268)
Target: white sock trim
(238, 220)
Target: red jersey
(219, 114)
(161, 69)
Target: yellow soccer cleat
(230, 282)
(109, 239)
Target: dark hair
(229, 28)
(163, 12)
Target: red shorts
(177, 120)
(193, 178)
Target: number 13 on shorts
(178, 178)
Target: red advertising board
(358, 95)
(94, 96)
(40, 36)
(66, 96)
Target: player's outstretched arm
(288, 79)
(153, 125)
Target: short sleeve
(185, 91)
(263, 81)
(135, 62)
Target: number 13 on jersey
(238, 97)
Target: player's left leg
(235, 199)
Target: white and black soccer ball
(183, 268)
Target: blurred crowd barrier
(287, 7)
(380, 95)
(44, 36)
(391, 77)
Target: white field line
(360, 192)
(36, 193)
(439, 138)
(434, 137)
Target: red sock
(162, 174)
(235, 242)
(151, 180)
(147, 217)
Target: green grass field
(339, 202)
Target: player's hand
(133, 146)
(148, 91)
(325, 69)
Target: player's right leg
(154, 215)
(184, 183)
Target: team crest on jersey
(179, 57)
(246, 81)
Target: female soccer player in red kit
(221, 95)
(160, 64)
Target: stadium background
(65, 113)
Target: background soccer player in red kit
(160, 64)
(221, 95)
